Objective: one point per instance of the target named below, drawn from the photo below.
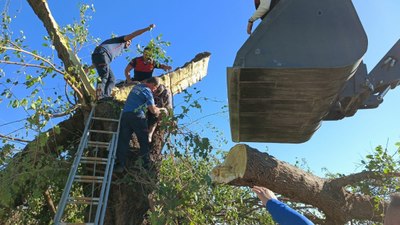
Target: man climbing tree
(143, 67)
(105, 53)
(133, 119)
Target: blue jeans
(131, 123)
(101, 61)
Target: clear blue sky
(220, 28)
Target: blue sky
(220, 28)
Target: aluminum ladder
(95, 156)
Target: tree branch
(49, 202)
(19, 49)
(313, 218)
(51, 65)
(68, 111)
(357, 177)
(30, 65)
(14, 138)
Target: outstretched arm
(280, 212)
(138, 32)
(128, 69)
(260, 12)
(165, 67)
(154, 109)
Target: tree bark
(246, 166)
(128, 203)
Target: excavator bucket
(290, 70)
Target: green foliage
(27, 88)
(6, 152)
(156, 50)
(385, 165)
(21, 197)
(25, 176)
(184, 139)
(78, 31)
(382, 163)
(185, 195)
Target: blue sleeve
(149, 97)
(284, 215)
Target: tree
(54, 147)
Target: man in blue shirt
(105, 53)
(163, 99)
(280, 212)
(134, 120)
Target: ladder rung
(97, 170)
(105, 119)
(88, 179)
(83, 200)
(103, 131)
(94, 160)
(100, 144)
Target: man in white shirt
(262, 7)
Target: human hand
(87, 69)
(264, 194)
(129, 81)
(167, 68)
(164, 110)
(99, 93)
(151, 26)
(249, 27)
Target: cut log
(246, 166)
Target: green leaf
(57, 129)
(24, 102)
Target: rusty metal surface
(284, 105)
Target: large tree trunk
(128, 203)
(246, 166)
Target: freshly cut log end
(233, 167)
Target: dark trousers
(101, 61)
(131, 123)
